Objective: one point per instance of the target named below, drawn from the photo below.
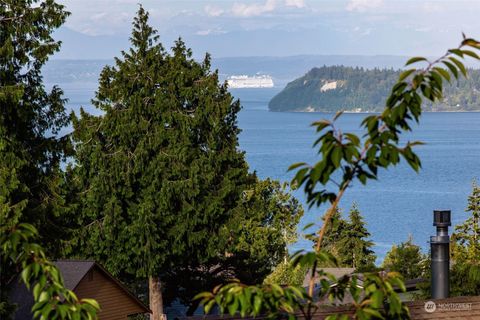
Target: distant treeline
(330, 89)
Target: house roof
(337, 272)
(455, 308)
(73, 271)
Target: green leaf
(299, 177)
(308, 225)
(414, 60)
(459, 65)
(296, 165)
(203, 295)
(471, 54)
(443, 73)
(457, 52)
(46, 311)
(405, 74)
(353, 138)
(375, 314)
(399, 87)
(337, 156)
(209, 306)
(63, 310)
(36, 291)
(322, 124)
(377, 299)
(337, 115)
(232, 308)
(471, 43)
(91, 302)
(451, 67)
(257, 304)
(26, 276)
(44, 296)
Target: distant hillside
(282, 69)
(330, 89)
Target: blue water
(399, 204)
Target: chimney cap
(441, 218)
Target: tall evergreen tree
(347, 240)
(466, 238)
(334, 235)
(465, 250)
(356, 248)
(159, 172)
(30, 117)
(30, 120)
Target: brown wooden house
(88, 280)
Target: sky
(100, 28)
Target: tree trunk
(156, 299)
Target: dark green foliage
(466, 238)
(358, 253)
(30, 121)
(161, 187)
(30, 117)
(366, 89)
(406, 259)
(465, 250)
(159, 172)
(334, 236)
(464, 279)
(348, 241)
(51, 300)
(260, 229)
(255, 236)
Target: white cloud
(251, 10)
(213, 11)
(363, 5)
(210, 31)
(98, 16)
(103, 23)
(295, 3)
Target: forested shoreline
(365, 90)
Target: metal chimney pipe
(440, 251)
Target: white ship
(243, 81)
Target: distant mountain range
(281, 69)
(354, 89)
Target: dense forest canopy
(330, 89)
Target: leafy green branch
(51, 299)
(351, 158)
